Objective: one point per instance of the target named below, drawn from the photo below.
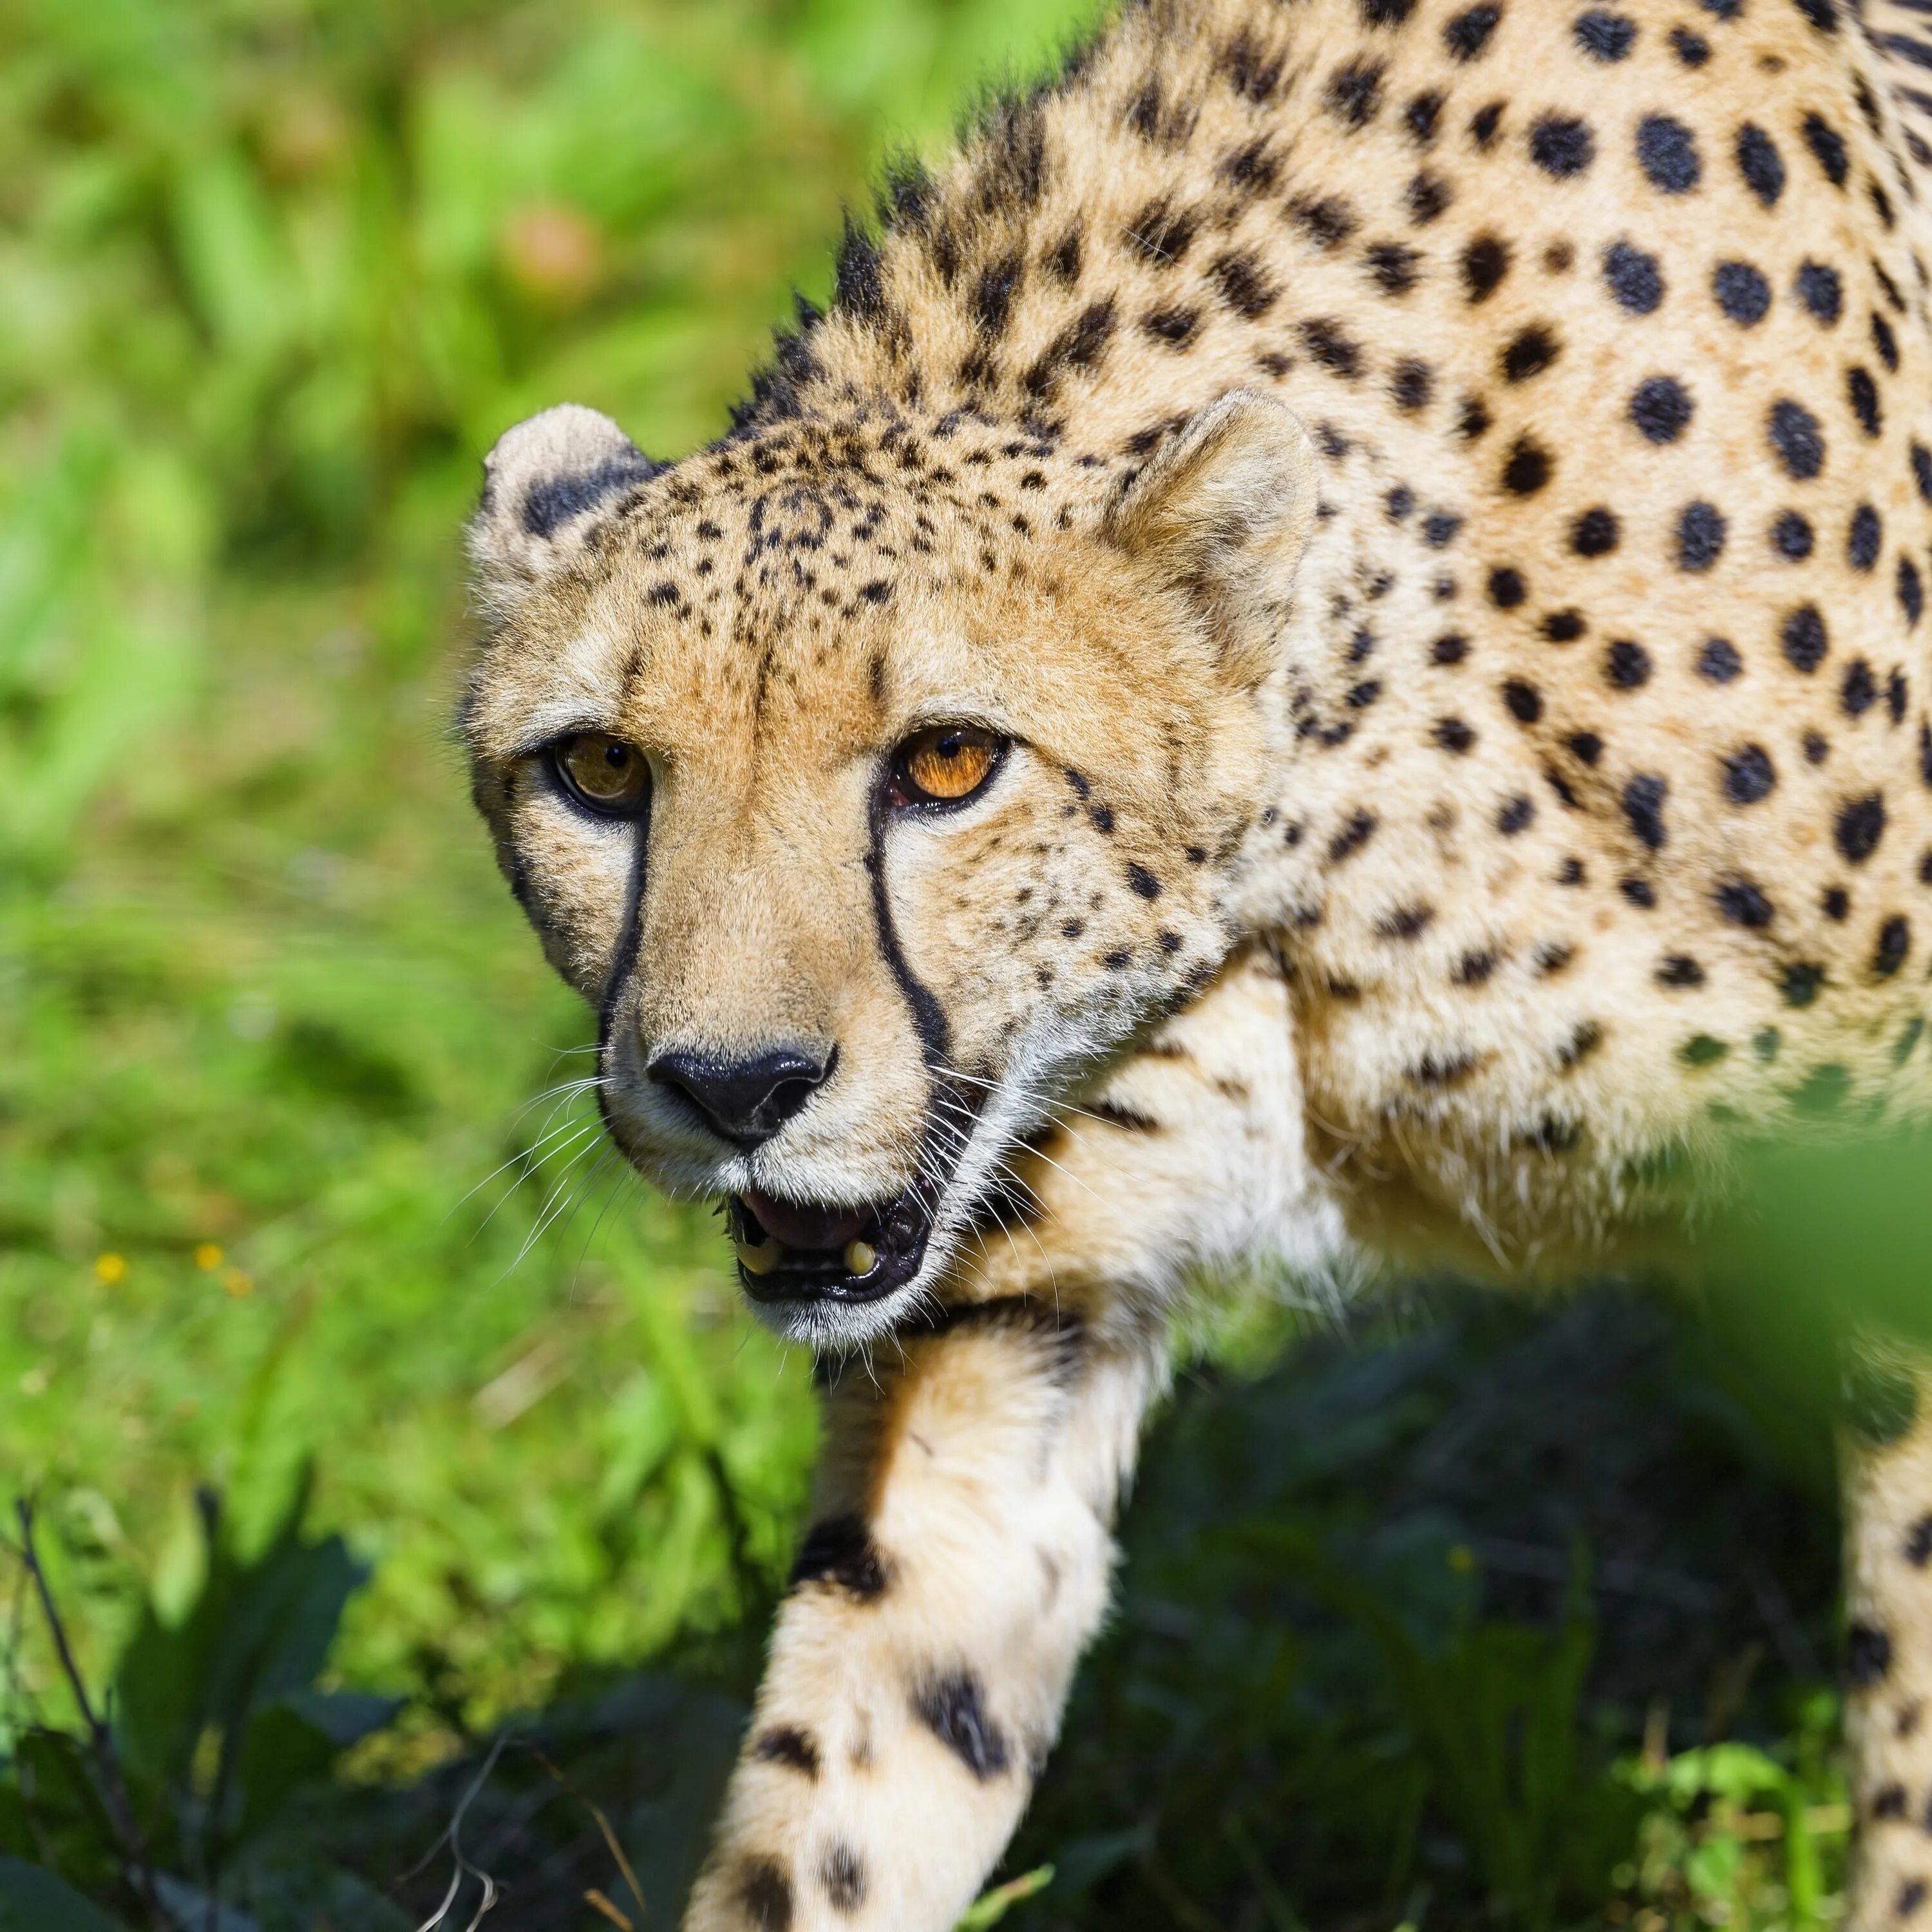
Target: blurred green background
(298, 1207)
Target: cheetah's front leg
(959, 1557)
(1888, 1655)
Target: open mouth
(790, 1252)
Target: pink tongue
(806, 1227)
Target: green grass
(285, 1185)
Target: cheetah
(1319, 663)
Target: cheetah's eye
(603, 772)
(944, 764)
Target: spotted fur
(1438, 498)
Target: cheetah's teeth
(859, 1256)
(759, 1257)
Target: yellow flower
(109, 1268)
(236, 1282)
(207, 1255)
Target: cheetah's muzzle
(802, 1254)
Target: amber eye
(945, 764)
(603, 772)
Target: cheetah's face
(869, 808)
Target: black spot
(1860, 826)
(1327, 222)
(1355, 95)
(1515, 814)
(1523, 701)
(1668, 154)
(765, 1893)
(858, 286)
(1821, 13)
(1561, 146)
(1450, 649)
(1239, 281)
(1912, 1894)
(1563, 627)
(1911, 592)
(1507, 588)
(1816, 748)
(1386, 12)
(1894, 942)
(1143, 881)
(1453, 735)
(1922, 469)
(1835, 904)
(1828, 147)
(1820, 289)
(1426, 196)
(1405, 922)
(1595, 533)
(1439, 528)
(1394, 266)
(1700, 536)
(992, 302)
(1742, 293)
(1472, 418)
(1661, 408)
(783, 1744)
(1483, 123)
(1643, 808)
(1527, 469)
(1411, 384)
(1718, 660)
(1884, 341)
(1468, 33)
(1895, 694)
(1862, 541)
(1743, 903)
(1485, 261)
(1421, 115)
(1760, 164)
(1692, 49)
(1749, 775)
(1328, 345)
(1633, 277)
(1791, 537)
(1605, 36)
(1862, 393)
(953, 1707)
(1529, 353)
(1399, 502)
(1858, 691)
(877, 591)
(1639, 892)
(1587, 745)
(1918, 1544)
(841, 1550)
(1627, 665)
(1352, 837)
(1173, 326)
(1804, 638)
(1473, 968)
(843, 1878)
(1678, 969)
(1867, 1655)
(1796, 439)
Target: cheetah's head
(875, 779)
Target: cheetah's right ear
(540, 483)
(1224, 511)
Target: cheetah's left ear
(1224, 510)
(542, 484)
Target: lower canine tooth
(760, 1258)
(859, 1256)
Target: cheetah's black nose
(746, 1101)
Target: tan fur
(1436, 498)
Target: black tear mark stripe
(623, 962)
(953, 1706)
(929, 1016)
(840, 1551)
